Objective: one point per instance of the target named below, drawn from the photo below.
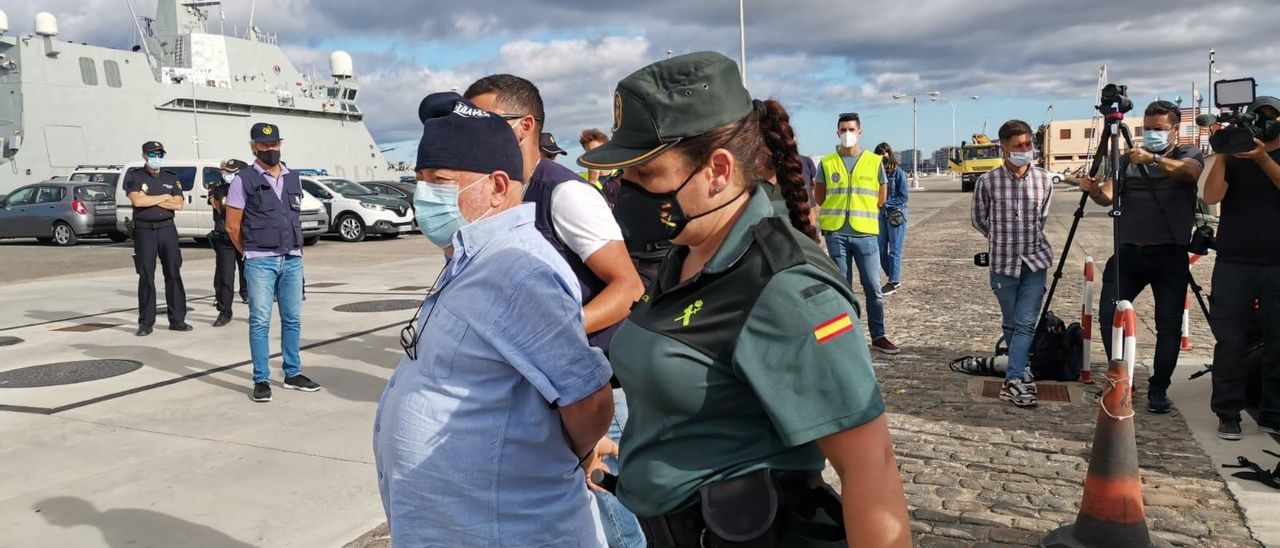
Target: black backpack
(1057, 350)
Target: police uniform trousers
(227, 262)
(152, 241)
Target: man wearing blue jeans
(851, 188)
(262, 210)
(1010, 205)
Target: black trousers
(1235, 288)
(1164, 268)
(148, 245)
(227, 261)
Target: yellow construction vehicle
(974, 159)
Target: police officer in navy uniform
(156, 193)
(227, 259)
(744, 362)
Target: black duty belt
(152, 225)
(801, 495)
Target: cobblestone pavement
(980, 472)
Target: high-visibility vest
(851, 196)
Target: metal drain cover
(10, 341)
(1044, 392)
(379, 306)
(55, 374)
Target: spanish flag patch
(833, 328)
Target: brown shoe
(882, 344)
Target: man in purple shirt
(262, 219)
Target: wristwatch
(1155, 160)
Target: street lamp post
(915, 149)
(742, 39)
(935, 97)
(1211, 53)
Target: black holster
(756, 510)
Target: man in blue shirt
(483, 426)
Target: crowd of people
(667, 349)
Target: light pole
(742, 40)
(1211, 62)
(915, 152)
(935, 97)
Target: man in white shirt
(573, 215)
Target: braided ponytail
(780, 140)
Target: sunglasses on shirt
(410, 335)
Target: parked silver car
(59, 211)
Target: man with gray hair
(500, 399)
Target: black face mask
(269, 157)
(649, 218)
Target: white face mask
(1021, 159)
(849, 139)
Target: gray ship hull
(64, 105)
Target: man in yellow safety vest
(851, 186)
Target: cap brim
(271, 139)
(612, 156)
(556, 151)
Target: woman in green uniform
(744, 363)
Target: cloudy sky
(819, 58)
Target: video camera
(1115, 100)
(1243, 125)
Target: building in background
(940, 157)
(1070, 144)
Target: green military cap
(669, 101)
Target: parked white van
(196, 218)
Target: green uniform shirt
(740, 368)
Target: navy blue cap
(152, 147)
(458, 135)
(547, 144)
(263, 132)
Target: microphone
(1206, 120)
(605, 480)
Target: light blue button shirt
(469, 450)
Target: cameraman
(1151, 236)
(1247, 269)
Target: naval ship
(64, 104)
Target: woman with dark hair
(744, 363)
(893, 220)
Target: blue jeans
(274, 279)
(620, 526)
(1019, 311)
(891, 240)
(846, 250)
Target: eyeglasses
(508, 116)
(156, 155)
(409, 335)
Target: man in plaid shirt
(1010, 205)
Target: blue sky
(819, 57)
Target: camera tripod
(1113, 107)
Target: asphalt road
(28, 260)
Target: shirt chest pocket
(438, 347)
(1020, 206)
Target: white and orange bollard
(1186, 311)
(1086, 321)
(1124, 335)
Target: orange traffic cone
(1111, 511)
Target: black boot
(1157, 400)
